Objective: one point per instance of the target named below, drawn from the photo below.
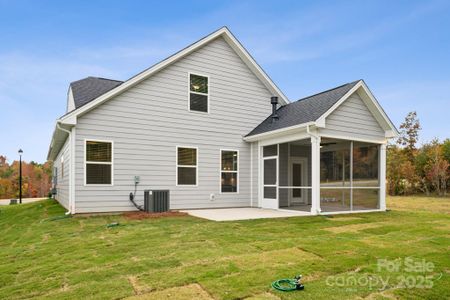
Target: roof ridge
(94, 77)
(103, 78)
(326, 91)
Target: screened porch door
(270, 167)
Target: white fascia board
(231, 40)
(57, 135)
(352, 138)
(380, 111)
(52, 143)
(277, 132)
(70, 101)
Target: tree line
(412, 169)
(36, 179)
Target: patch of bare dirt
(343, 219)
(264, 296)
(381, 295)
(140, 215)
(353, 228)
(137, 288)
(191, 291)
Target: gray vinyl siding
(148, 121)
(62, 195)
(353, 119)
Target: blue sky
(400, 48)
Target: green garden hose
(287, 285)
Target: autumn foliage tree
(36, 179)
(409, 134)
(410, 169)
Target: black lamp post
(20, 176)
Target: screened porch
(347, 176)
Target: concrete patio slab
(246, 213)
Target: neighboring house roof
(70, 117)
(305, 110)
(89, 88)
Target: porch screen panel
(270, 150)
(332, 200)
(364, 198)
(335, 164)
(270, 171)
(365, 165)
(270, 192)
(349, 175)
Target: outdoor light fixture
(20, 175)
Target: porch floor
(244, 213)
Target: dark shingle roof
(305, 110)
(87, 89)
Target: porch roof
(305, 110)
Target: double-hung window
(98, 162)
(198, 93)
(186, 166)
(229, 171)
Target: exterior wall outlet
(212, 197)
(137, 179)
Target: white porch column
(315, 174)
(383, 177)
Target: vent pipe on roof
(274, 102)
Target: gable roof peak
(305, 110)
(121, 86)
(353, 83)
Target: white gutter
(70, 140)
(310, 133)
(276, 132)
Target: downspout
(69, 137)
(317, 138)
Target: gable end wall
(353, 119)
(149, 120)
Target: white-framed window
(62, 167)
(198, 93)
(55, 176)
(229, 169)
(98, 162)
(187, 165)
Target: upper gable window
(198, 93)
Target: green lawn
(185, 257)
